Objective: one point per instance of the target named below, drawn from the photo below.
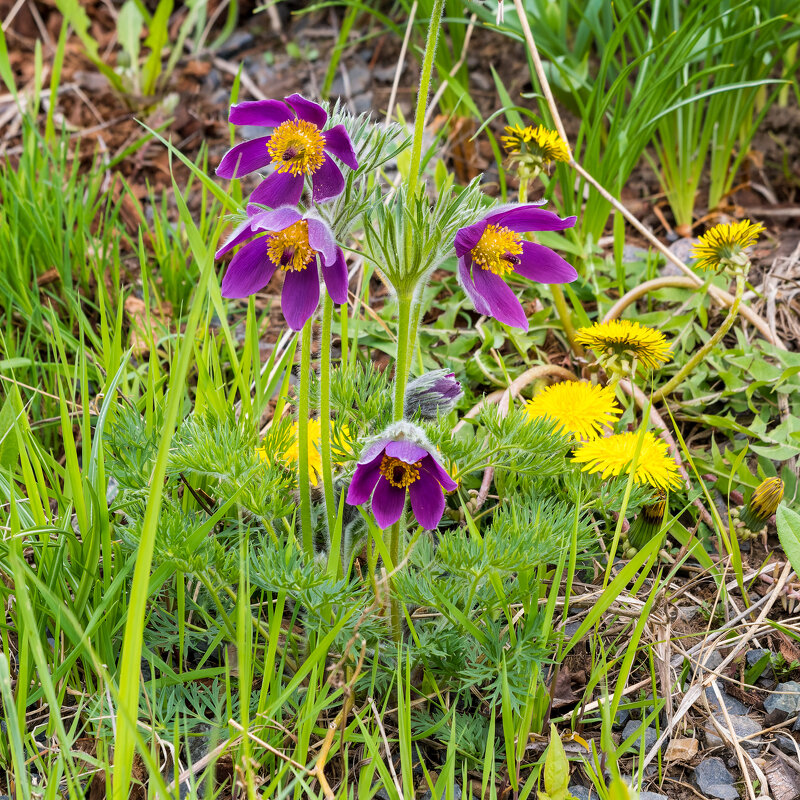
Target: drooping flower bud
(763, 504)
(432, 394)
(648, 523)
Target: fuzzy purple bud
(432, 394)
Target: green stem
(422, 97)
(677, 379)
(325, 412)
(302, 441)
(404, 346)
(559, 301)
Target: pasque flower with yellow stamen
(298, 148)
(578, 407)
(613, 455)
(494, 247)
(723, 246)
(626, 340)
(300, 246)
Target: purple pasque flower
(298, 148)
(489, 249)
(285, 239)
(396, 463)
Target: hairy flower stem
(559, 301)
(302, 441)
(422, 97)
(325, 412)
(405, 344)
(733, 312)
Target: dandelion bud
(432, 394)
(763, 504)
(648, 523)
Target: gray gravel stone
(635, 727)
(363, 102)
(652, 796)
(742, 726)
(733, 705)
(715, 780)
(788, 702)
(623, 715)
(456, 794)
(358, 79)
(785, 743)
(582, 793)
(754, 656)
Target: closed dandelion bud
(432, 394)
(763, 504)
(648, 523)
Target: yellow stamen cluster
(540, 142)
(297, 146)
(578, 407)
(497, 250)
(724, 245)
(398, 472)
(614, 456)
(629, 339)
(289, 249)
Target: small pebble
(742, 726)
(787, 701)
(635, 727)
(715, 780)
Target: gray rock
(358, 79)
(363, 103)
(787, 701)
(631, 252)
(713, 660)
(623, 715)
(253, 131)
(238, 40)
(635, 727)
(652, 796)
(456, 794)
(754, 656)
(786, 743)
(742, 726)
(733, 705)
(715, 780)
(384, 74)
(582, 793)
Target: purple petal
(481, 306)
(276, 220)
(320, 237)
(305, 109)
(243, 231)
(387, 503)
(337, 141)
(373, 451)
(530, 218)
(277, 189)
(327, 181)
(430, 466)
(266, 113)
(249, 271)
(541, 264)
(427, 501)
(335, 277)
(406, 451)
(468, 237)
(245, 158)
(502, 301)
(300, 295)
(364, 480)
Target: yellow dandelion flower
(543, 144)
(724, 245)
(623, 338)
(579, 407)
(614, 456)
